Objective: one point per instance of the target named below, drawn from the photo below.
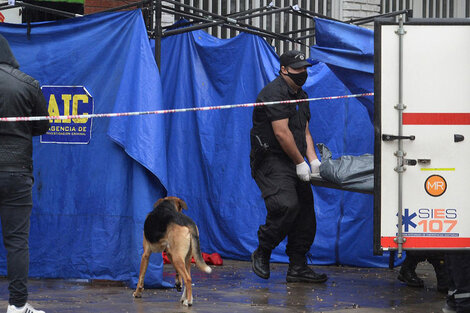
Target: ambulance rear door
(422, 149)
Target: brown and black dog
(167, 229)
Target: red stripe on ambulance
(427, 242)
(436, 118)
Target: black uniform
(289, 201)
(20, 95)
(458, 265)
(436, 258)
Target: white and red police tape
(218, 107)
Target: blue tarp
(349, 52)
(214, 163)
(91, 200)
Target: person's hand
(303, 171)
(315, 167)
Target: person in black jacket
(458, 267)
(20, 95)
(280, 142)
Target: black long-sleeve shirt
(20, 95)
(297, 113)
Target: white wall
(12, 15)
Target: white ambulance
(422, 134)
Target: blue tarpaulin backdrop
(91, 200)
(349, 52)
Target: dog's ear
(182, 205)
(158, 202)
(178, 203)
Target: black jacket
(20, 95)
(262, 131)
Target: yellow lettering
(76, 98)
(53, 109)
(66, 98)
(63, 128)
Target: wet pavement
(233, 287)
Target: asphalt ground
(234, 287)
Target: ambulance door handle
(424, 161)
(410, 162)
(458, 138)
(386, 137)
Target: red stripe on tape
(436, 118)
(219, 107)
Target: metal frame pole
(158, 33)
(272, 11)
(223, 21)
(310, 14)
(305, 37)
(47, 10)
(10, 7)
(150, 16)
(179, 4)
(208, 23)
(6, 5)
(299, 30)
(232, 22)
(364, 20)
(211, 24)
(400, 154)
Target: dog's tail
(196, 251)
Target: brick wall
(93, 6)
(353, 9)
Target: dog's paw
(137, 294)
(187, 303)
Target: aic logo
(435, 185)
(66, 101)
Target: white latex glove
(315, 167)
(303, 171)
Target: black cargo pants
(289, 204)
(15, 209)
(458, 265)
(414, 257)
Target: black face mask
(298, 79)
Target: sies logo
(435, 185)
(428, 220)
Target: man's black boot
(409, 277)
(450, 305)
(302, 273)
(260, 262)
